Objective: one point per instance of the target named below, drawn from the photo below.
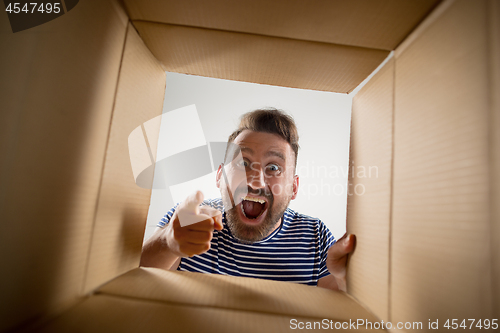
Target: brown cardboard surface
(122, 206)
(369, 202)
(494, 63)
(378, 24)
(106, 313)
(259, 59)
(441, 253)
(57, 84)
(72, 218)
(229, 292)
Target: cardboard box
(428, 226)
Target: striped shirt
(294, 252)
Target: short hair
(270, 120)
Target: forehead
(263, 142)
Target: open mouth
(252, 207)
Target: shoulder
(295, 220)
(294, 217)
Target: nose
(255, 177)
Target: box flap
(155, 300)
(238, 293)
(441, 250)
(370, 184)
(378, 24)
(122, 206)
(259, 59)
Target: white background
(323, 121)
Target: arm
(336, 263)
(167, 245)
(156, 253)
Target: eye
(242, 163)
(273, 168)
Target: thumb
(218, 221)
(342, 247)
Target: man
(250, 231)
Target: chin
(252, 230)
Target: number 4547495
(33, 7)
(470, 323)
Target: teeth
(254, 200)
(243, 211)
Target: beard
(253, 233)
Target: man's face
(262, 182)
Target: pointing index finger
(189, 211)
(192, 202)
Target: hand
(199, 223)
(167, 245)
(337, 259)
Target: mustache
(263, 192)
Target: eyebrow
(276, 153)
(246, 149)
(269, 153)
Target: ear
(295, 186)
(219, 174)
